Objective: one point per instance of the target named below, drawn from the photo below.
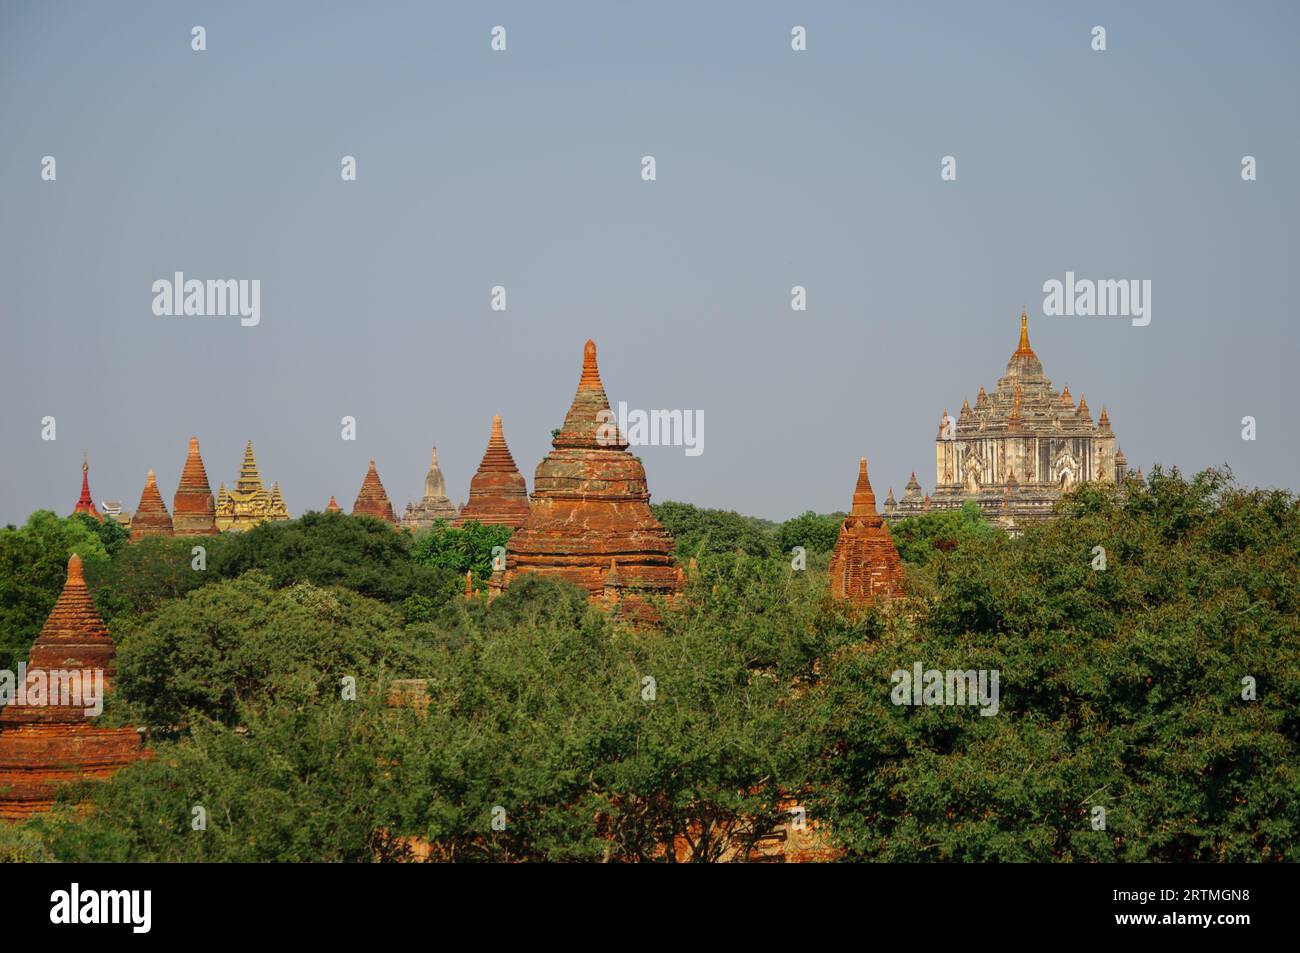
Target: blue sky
(522, 169)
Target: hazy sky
(523, 169)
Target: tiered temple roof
(44, 746)
(85, 503)
(865, 566)
(248, 503)
(1024, 427)
(590, 521)
(151, 518)
(434, 505)
(498, 494)
(193, 509)
(372, 500)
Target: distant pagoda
(498, 494)
(434, 505)
(193, 508)
(248, 503)
(372, 500)
(151, 517)
(85, 503)
(865, 566)
(1018, 450)
(590, 521)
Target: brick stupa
(42, 745)
(85, 504)
(590, 521)
(865, 566)
(498, 494)
(193, 509)
(372, 500)
(332, 506)
(151, 518)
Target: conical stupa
(590, 520)
(865, 566)
(498, 494)
(151, 518)
(52, 740)
(372, 500)
(193, 509)
(434, 505)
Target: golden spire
(1024, 347)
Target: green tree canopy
(922, 538)
(1121, 688)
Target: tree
(468, 548)
(333, 549)
(698, 530)
(921, 538)
(1126, 688)
(144, 574)
(815, 532)
(240, 641)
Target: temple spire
(1024, 347)
(590, 372)
(372, 500)
(85, 503)
(864, 499)
(193, 507)
(589, 423)
(151, 517)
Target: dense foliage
(1127, 636)
(1123, 688)
(922, 537)
(461, 550)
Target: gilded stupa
(248, 503)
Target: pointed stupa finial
(86, 503)
(1023, 347)
(864, 499)
(590, 371)
(435, 455)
